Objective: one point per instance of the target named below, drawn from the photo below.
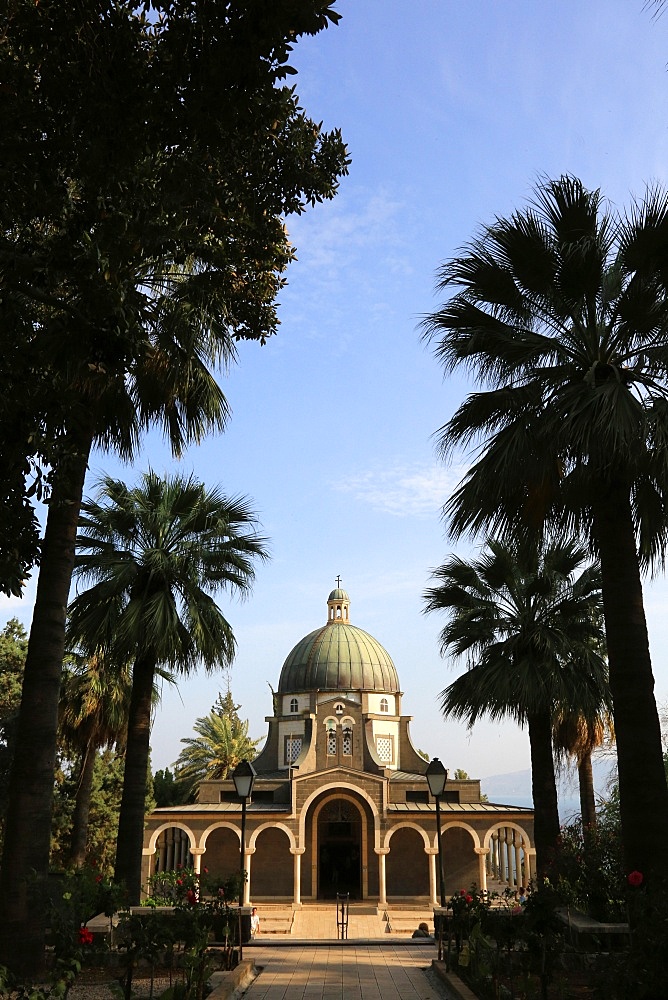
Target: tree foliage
(560, 313)
(13, 648)
(154, 556)
(528, 623)
(222, 741)
(150, 156)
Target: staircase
(401, 919)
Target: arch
(217, 826)
(294, 705)
(153, 839)
(464, 826)
(335, 790)
(351, 864)
(406, 866)
(272, 826)
(384, 705)
(509, 826)
(413, 826)
(272, 871)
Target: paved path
(352, 972)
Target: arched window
(347, 742)
(331, 742)
(339, 708)
(294, 705)
(384, 707)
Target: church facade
(341, 802)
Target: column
(197, 853)
(495, 854)
(432, 853)
(297, 875)
(162, 855)
(382, 882)
(483, 853)
(519, 880)
(530, 861)
(169, 835)
(247, 865)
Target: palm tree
(574, 735)
(529, 626)
(154, 553)
(94, 704)
(222, 742)
(561, 313)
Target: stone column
(297, 875)
(483, 853)
(518, 860)
(197, 853)
(382, 882)
(530, 862)
(432, 853)
(162, 855)
(247, 865)
(169, 837)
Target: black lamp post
(244, 778)
(437, 777)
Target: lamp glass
(244, 778)
(436, 777)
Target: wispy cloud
(405, 490)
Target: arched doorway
(339, 850)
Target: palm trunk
(544, 788)
(131, 819)
(643, 792)
(25, 859)
(79, 836)
(587, 797)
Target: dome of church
(338, 657)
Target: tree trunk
(587, 797)
(81, 812)
(544, 788)
(643, 792)
(131, 818)
(25, 860)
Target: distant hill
(514, 788)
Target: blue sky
(452, 110)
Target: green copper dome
(338, 657)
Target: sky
(452, 110)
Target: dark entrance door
(339, 850)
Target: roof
(338, 656)
(456, 807)
(223, 807)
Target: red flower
(85, 936)
(206, 871)
(98, 878)
(179, 881)
(178, 865)
(461, 892)
(469, 899)
(191, 896)
(635, 879)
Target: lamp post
(436, 778)
(244, 778)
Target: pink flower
(635, 879)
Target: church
(341, 802)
